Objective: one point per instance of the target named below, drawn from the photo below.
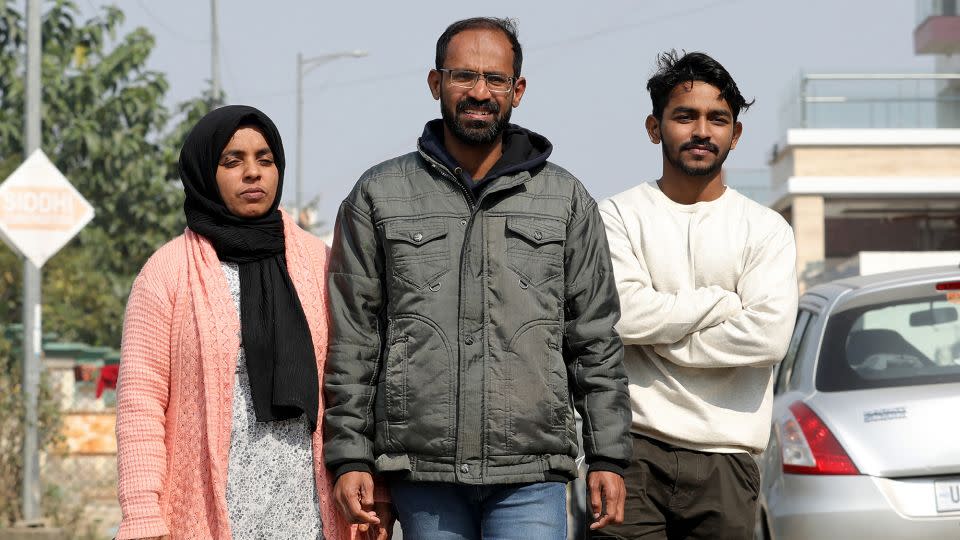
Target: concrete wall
(875, 161)
(84, 467)
(808, 230)
(875, 262)
(821, 163)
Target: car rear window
(903, 342)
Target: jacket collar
(523, 151)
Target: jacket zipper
(472, 207)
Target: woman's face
(247, 176)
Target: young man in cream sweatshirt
(708, 293)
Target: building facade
(868, 169)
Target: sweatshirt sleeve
(142, 394)
(651, 317)
(758, 334)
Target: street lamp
(304, 66)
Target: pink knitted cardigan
(175, 392)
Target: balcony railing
(873, 100)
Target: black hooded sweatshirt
(523, 150)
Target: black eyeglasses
(465, 78)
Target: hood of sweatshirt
(523, 150)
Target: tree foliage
(12, 435)
(106, 128)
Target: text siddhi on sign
(40, 211)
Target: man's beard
(689, 170)
(476, 132)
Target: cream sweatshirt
(708, 295)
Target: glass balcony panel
(909, 100)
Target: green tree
(12, 430)
(106, 128)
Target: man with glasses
(473, 305)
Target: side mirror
(932, 316)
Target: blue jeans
(437, 511)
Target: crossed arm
(651, 317)
(709, 327)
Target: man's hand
(354, 496)
(607, 495)
(383, 531)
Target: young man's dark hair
(507, 26)
(673, 69)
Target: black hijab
(276, 338)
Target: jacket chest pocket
(535, 249)
(418, 250)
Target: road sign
(40, 211)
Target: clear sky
(586, 64)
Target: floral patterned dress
(271, 491)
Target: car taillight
(948, 286)
(808, 447)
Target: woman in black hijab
(224, 342)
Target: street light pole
(299, 183)
(304, 66)
(32, 341)
(214, 55)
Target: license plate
(948, 496)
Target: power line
(602, 32)
(159, 22)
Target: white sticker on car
(883, 415)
